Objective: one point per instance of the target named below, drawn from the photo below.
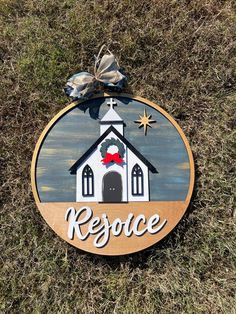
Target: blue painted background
(75, 132)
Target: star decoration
(145, 121)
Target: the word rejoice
(102, 227)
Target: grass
(180, 54)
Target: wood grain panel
(54, 215)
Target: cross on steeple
(111, 103)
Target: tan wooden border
(182, 205)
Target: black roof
(100, 139)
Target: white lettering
(137, 222)
(127, 229)
(104, 234)
(153, 221)
(101, 227)
(74, 223)
(94, 223)
(116, 227)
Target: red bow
(112, 157)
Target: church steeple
(112, 118)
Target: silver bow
(106, 73)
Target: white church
(112, 170)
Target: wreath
(117, 157)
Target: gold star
(145, 121)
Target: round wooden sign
(112, 175)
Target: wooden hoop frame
(146, 102)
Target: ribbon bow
(112, 157)
(106, 73)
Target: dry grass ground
(180, 54)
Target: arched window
(87, 181)
(137, 180)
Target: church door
(112, 187)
